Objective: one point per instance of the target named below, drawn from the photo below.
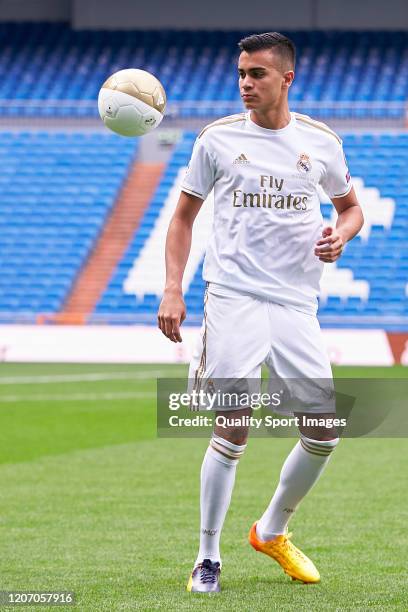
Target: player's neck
(272, 119)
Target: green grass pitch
(91, 501)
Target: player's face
(263, 80)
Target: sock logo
(288, 510)
(210, 532)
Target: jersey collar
(266, 131)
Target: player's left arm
(349, 222)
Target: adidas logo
(241, 159)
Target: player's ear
(288, 77)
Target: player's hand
(330, 246)
(172, 312)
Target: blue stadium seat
(54, 209)
(56, 63)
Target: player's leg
(233, 352)
(300, 355)
(301, 470)
(217, 481)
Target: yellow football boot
(291, 559)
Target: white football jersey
(267, 215)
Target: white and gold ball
(132, 102)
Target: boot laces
(288, 544)
(208, 571)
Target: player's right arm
(196, 185)
(172, 311)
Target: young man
(263, 265)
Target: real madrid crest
(304, 164)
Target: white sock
(217, 481)
(301, 470)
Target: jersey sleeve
(336, 181)
(200, 175)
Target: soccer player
(262, 267)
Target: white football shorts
(240, 332)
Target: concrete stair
(112, 243)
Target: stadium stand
(56, 192)
(50, 61)
(122, 224)
(58, 188)
(369, 279)
(115, 298)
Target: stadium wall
(212, 14)
(35, 10)
(238, 14)
(146, 344)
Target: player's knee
(330, 436)
(319, 432)
(232, 426)
(225, 450)
(322, 434)
(236, 435)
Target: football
(132, 102)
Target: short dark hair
(278, 43)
